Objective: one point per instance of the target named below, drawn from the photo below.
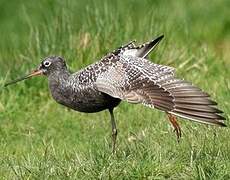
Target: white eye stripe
(46, 63)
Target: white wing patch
(130, 52)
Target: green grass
(40, 139)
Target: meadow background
(40, 139)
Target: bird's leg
(114, 130)
(175, 124)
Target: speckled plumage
(80, 90)
(126, 74)
(121, 75)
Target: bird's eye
(47, 63)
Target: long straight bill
(34, 73)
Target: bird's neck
(58, 78)
(58, 85)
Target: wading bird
(126, 74)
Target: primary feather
(137, 80)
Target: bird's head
(47, 67)
(51, 65)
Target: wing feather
(138, 80)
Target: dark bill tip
(33, 73)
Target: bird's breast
(84, 99)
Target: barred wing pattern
(137, 80)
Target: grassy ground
(40, 139)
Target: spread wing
(137, 80)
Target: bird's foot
(114, 138)
(176, 126)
